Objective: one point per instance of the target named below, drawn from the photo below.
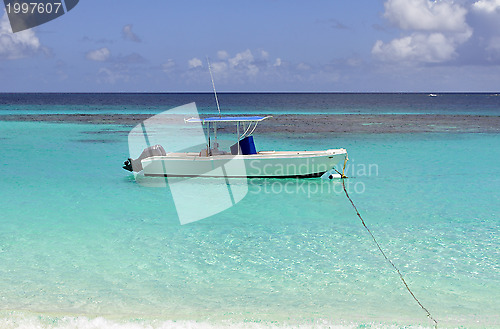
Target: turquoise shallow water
(82, 245)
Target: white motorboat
(240, 160)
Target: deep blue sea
(249, 103)
(83, 245)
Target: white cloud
(106, 75)
(194, 63)
(219, 67)
(353, 62)
(252, 70)
(98, 55)
(494, 44)
(488, 6)
(303, 67)
(260, 69)
(244, 61)
(129, 34)
(17, 45)
(243, 58)
(418, 47)
(237, 68)
(485, 44)
(168, 66)
(424, 15)
(222, 54)
(438, 28)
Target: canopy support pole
(209, 149)
(238, 136)
(216, 145)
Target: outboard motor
(136, 165)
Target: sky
(258, 46)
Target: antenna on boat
(213, 85)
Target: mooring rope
(383, 253)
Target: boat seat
(246, 146)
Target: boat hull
(265, 164)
